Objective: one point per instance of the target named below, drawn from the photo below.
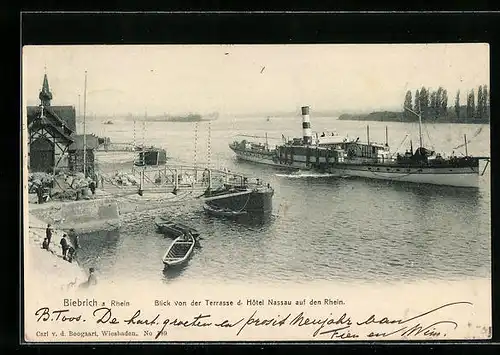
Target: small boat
(174, 229)
(225, 212)
(180, 250)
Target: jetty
(179, 180)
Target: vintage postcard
(256, 193)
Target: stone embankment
(46, 269)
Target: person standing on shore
(48, 233)
(70, 254)
(39, 193)
(75, 240)
(92, 186)
(92, 280)
(64, 246)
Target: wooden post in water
(368, 134)
(176, 180)
(134, 143)
(141, 182)
(465, 139)
(386, 137)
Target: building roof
(59, 115)
(55, 130)
(67, 114)
(92, 142)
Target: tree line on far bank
(433, 106)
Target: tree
(424, 98)
(468, 105)
(408, 100)
(480, 102)
(433, 103)
(417, 101)
(439, 98)
(471, 108)
(486, 102)
(457, 104)
(444, 101)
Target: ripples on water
(322, 227)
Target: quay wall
(83, 216)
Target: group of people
(68, 250)
(92, 186)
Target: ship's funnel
(306, 125)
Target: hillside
(398, 116)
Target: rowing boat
(172, 228)
(179, 251)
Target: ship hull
(254, 157)
(447, 176)
(253, 201)
(459, 177)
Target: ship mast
(85, 128)
(419, 122)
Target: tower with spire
(45, 94)
(51, 130)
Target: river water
(323, 228)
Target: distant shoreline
(393, 116)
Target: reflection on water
(98, 248)
(253, 221)
(353, 229)
(171, 273)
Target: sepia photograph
(193, 193)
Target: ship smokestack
(306, 125)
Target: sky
(241, 79)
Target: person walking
(64, 246)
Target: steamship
(342, 156)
